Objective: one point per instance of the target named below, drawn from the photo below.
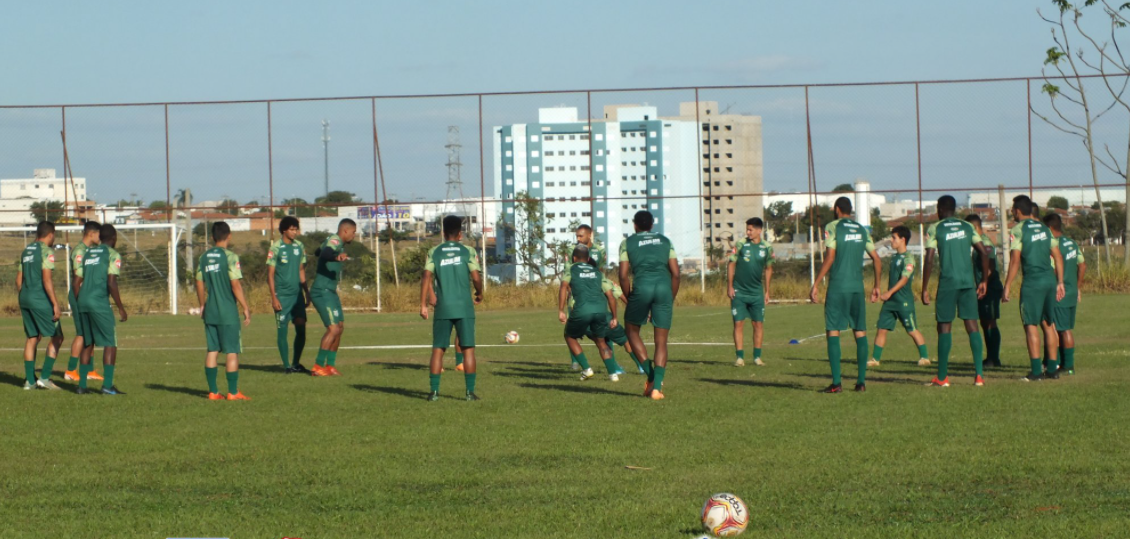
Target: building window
(572, 152)
(548, 137)
(729, 128)
(599, 153)
(600, 168)
(728, 141)
(716, 156)
(729, 169)
(585, 136)
(715, 128)
(715, 141)
(717, 184)
(549, 184)
(549, 169)
(731, 184)
(584, 167)
(509, 140)
(535, 169)
(548, 153)
(586, 183)
(535, 153)
(717, 169)
(551, 230)
(586, 214)
(729, 210)
(599, 136)
(653, 134)
(730, 225)
(573, 214)
(572, 184)
(717, 211)
(729, 156)
(706, 169)
(536, 185)
(533, 138)
(574, 167)
(585, 152)
(654, 162)
(717, 225)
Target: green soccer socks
(433, 379)
(331, 358)
(878, 355)
(48, 366)
(834, 358)
(321, 360)
(977, 345)
(29, 371)
(740, 354)
(861, 347)
(582, 361)
(923, 353)
(649, 368)
(636, 360)
(945, 344)
(1037, 367)
(233, 382)
(84, 374)
(1067, 358)
(658, 377)
(72, 363)
(756, 353)
(470, 379)
(212, 373)
(611, 366)
(108, 376)
(283, 345)
(458, 358)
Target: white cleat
(28, 386)
(739, 362)
(613, 377)
(873, 362)
(923, 362)
(576, 366)
(46, 384)
(757, 361)
(586, 374)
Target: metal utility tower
(454, 174)
(326, 151)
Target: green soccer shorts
(80, 322)
(616, 335)
(293, 308)
(889, 316)
(845, 310)
(595, 325)
(1037, 303)
(747, 308)
(464, 329)
(38, 322)
(650, 298)
(1064, 318)
(100, 328)
(950, 304)
(224, 339)
(328, 305)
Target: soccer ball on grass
(512, 337)
(725, 515)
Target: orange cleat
(93, 376)
(238, 397)
(332, 371)
(70, 376)
(656, 395)
(978, 381)
(459, 367)
(939, 383)
(318, 370)
(215, 397)
(647, 389)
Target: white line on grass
(394, 346)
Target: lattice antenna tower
(454, 173)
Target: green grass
(544, 455)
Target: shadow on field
(263, 368)
(870, 378)
(7, 378)
(587, 389)
(754, 383)
(535, 374)
(403, 392)
(387, 365)
(540, 365)
(177, 389)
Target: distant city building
(18, 194)
(1083, 195)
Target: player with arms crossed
(748, 275)
(898, 300)
(324, 295)
(38, 306)
(1074, 268)
(845, 243)
(90, 232)
(286, 278)
(951, 240)
(1036, 251)
(454, 268)
(988, 307)
(648, 258)
(96, 281)
(589, 315)
(219, 290)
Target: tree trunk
(1094, 171)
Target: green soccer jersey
(217, 268)
(750, 260)
(901, 265)
(851, 241)
(953, 239)
(994, 271)
(33, 260)
(587, 285)
(329, 272)
(451, 264)
(289, 261)
(98, 264)
(1035, 242)
(648, 253)
(76, 262)
(596, 255)
(1072, 257)
(617, 292)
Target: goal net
(147, 283)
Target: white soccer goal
(148, 282)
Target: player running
(1036, 251)
(898, 300)
(38, 306)
(290, 296)
(454, 267)
(1074, 268)
(324, 295)
(988, 307)
(951, 240)
(748, 275)
(90, 232)
(596, 252)
(649, 258)
(593, 311)
(96, 281)
(845, 243)
(219, 290)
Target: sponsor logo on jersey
(118, 263)
(1071, 255)
(1038, 236)
(451, 261)
(51, 257)
(452, 248)
(587, 275)
(853, 237)
(955, 235)
(653, 241)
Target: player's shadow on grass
(850, 373)
(263, 368)
(7, 378)
(388, 365)
(403, 392)
(754, 383)
(586, 389)
(178, 389)
(535, 374)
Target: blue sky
(118, 51)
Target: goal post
(148, 282)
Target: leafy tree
(299, 207)
(1058, 202)
(777, 217)
(126, 203)
(333, 199)
(879, 228)
(158, 205)
(528, 245)
(228, 206)
(51, 210)
(824, 215)
(844, 188)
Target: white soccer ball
(512, 337)
(725, 515)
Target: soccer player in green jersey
(649, 259)
(898, 300)
(90, 232)
(286, 278)
(38, 306)
(618, 335)
(1074, 268)
(1036, 250)
(96, 281)
(590, 313)
(219, 290)
(596, 252)
(748, 275)
(951, 240)
(324, 295)
(845, 244)
(988, 307)
(451, 270)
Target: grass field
(545, 455)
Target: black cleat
(291, 370)
(112, 391)
(1052, 375)
(297, 367)
(834, 388)
(860, 388)
(433, 396)
(992, 363)
(1032, 378)
(80, 391)
(472, 397)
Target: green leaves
(1050, 89)
(1054, 56)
